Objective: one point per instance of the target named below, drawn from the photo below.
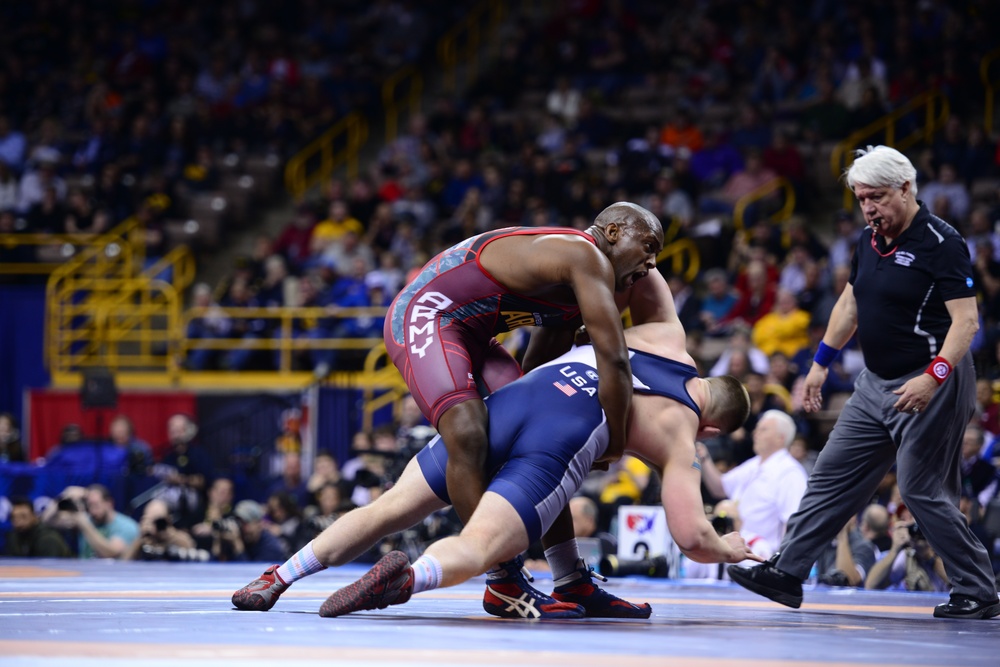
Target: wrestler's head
(631, 237)
(728, 404)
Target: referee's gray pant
(868, 437)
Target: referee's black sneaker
(769, 581)
(960, 606)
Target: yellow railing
(761, 194)
(109, 256)
(936, 110)
(114, 326)
(350, 133)
(684, 258)
(47, 252)
(180, 262)
(990, 85)
(414, 81)
(281, 335)
(103, 308)
(462, 45)
(383, 377)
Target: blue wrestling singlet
(547, 428)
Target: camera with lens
(173, 553)
(915, 534)
(161, 524)
(69, 505)
(656, 566)
(227, 524)
(723, 525)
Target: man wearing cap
(245, 539)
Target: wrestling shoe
(578, 587)
(767, 580)
(509, 595)
(260, 594)
(389, 582)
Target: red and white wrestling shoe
(389, 582)
(260, 594)
(509, 595)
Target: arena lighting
(218, 204)
(245, 181)
(191, 227)
(112, 250)
(67, 250)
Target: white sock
(427, 574)
(302, 564)
(564, 559)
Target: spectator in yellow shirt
(785, 329)
(330, 230)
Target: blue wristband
(825, 354)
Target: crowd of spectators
(180, 507)
(120, 109)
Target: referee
(911, 301)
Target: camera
(723, 525)
(68, 505)
(173, 553)
(160, 524)
(226, 525)
(612, 566)
(915, 533)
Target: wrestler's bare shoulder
(664, 339)
(528, 262)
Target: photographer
(910, 564)
(243, 537)
(28, 538)
(159, 539)
(103, 532)
(220, 506)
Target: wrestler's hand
(739, 551)
(915, 394)
(615, 450)
(813, 397)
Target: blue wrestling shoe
(509, 595)
(578, 587)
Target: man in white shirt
(768, 487)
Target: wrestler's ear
(708, 432)
(612, 232)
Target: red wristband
(939, 369)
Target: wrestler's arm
(571, 260)
(592, 279)
(650, 300)
(682, 502)
(545, 344)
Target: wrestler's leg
(407, 502)
(494, 533)
(463, 429)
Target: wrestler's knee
(463, 430)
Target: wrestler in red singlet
(440, 329)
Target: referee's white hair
(784, 422)
(881, 167)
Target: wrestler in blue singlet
(547, 429)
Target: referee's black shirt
(901, 291)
